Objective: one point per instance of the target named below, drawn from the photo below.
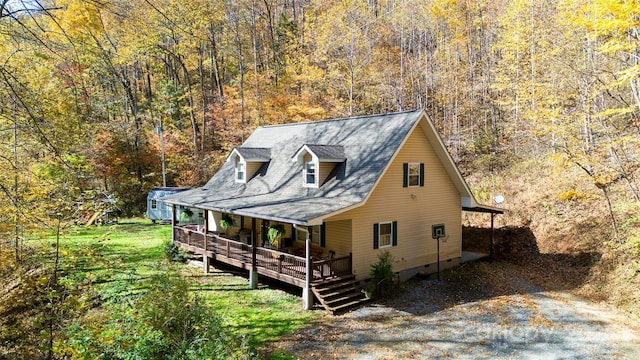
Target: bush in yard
(382, 275)
(159, 319)
(174, 253)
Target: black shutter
(375, 236)
(405, 175)
(421, 174)
(394, 231)
(241, 222)
(322, 235)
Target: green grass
(106, 257)
(102, 254)
(264, 314)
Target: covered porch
(244, 254)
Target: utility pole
(15, 180)
(160, 132)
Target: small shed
(158, 210)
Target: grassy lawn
(99, 255)
(108, 256)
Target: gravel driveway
(478, 311)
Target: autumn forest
(536, 100)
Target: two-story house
(344, 190)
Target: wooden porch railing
(280, 262)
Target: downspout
(307, 298)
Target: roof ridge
(342, 119)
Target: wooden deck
(277, 265)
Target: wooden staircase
(339, 293)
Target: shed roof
(158, 192)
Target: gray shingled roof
(254, 154)
(276, 192)
(326, 152)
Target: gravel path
(481, 313)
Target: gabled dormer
(317, 162)
(248, 161)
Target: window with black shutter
(385, 234)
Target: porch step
(324, 288)
(340, 293)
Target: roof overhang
(242, 212)
(250, 154)
(322, 153)
(484, 209)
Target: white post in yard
(205, 263)
(307, 297)
(253, 273)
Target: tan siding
(437, 202)
(338, 237)
(252, 168)
(215, 225)
(324, 171)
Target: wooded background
(536, 100)
(87, 86)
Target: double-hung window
(316, 235)
(413, 174)
(310, 174)
(241, 172)
(385, 234)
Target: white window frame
(305, 174)
(236, 221)
(154, 204)
(315, 235)
(415, 176)
(381, 235)
(241, 168)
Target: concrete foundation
(405, 275)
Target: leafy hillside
(559, 229)
(537, 100)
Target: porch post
(173, 223)
(307, 297)
(253, 273)
(492, 238)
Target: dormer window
(310, 175)
(241, 172)
(318, 162)
(248, 162)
